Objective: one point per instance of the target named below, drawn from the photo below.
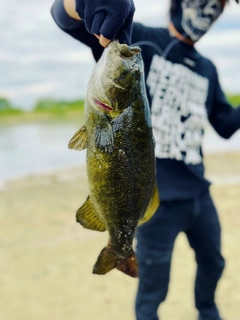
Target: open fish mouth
(102, 105)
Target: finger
(119, 29)
(111, 26)
(104, 41)
(125, 34)
(97, 22)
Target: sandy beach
(46, 258)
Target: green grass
(44, 110)
(58, 107)
(234, 99)
(49, 109)
(7, 109)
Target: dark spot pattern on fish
(120, 156)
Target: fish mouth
(102, 105)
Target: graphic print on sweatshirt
(178, 110)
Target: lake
(35, 148)
(42, 147)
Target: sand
(46, 258)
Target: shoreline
(39, 148)
(61, 170)
(46, 258)
(212, 173)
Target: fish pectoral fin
(104, 137)
(88, 217)
(79, 140)
(152, 207)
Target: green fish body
(120, 156)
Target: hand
(107, 19)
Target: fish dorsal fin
(88, 217)
(79, 140)
(152, 207)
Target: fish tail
(109, 259)
(129, 265)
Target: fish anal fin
(79, 140)
(109, 259)
(152, 207)
(88, 217)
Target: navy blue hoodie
(183, 91)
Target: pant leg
(155, 241)
(205, 238)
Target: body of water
(37, 148)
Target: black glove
(111, 18)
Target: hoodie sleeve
(112, 19)
(75, 28)
(223, 117)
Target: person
(183, 90)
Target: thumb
(104, 41)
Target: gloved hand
(109, 18)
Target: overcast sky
(38, 60)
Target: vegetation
(44, 110)
(49, 109)
(234, 99)
(58, 107)
(7, 109)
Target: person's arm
(224, 118)
(75, 27)
(106, 19)
(70, 7)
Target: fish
(120, 158)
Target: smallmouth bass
(120, 156)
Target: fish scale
(120, 156)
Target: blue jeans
(155, 240)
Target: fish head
(116, 78)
